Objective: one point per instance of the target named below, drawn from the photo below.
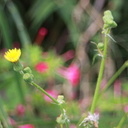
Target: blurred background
(55, 37)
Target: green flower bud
(106, 26)
(108, 14)
(28, 77)
(60, 119)
(17, 66)
(27, 70)
(113, 24)
(60, 99)
(100, 46)
(108, 20)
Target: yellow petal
(13, 55)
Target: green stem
(115, 76)
(19, 88)
(1, 125)
(61, 125)
(54, 100)
(122, 121)
(100, 74)
(42, 90)
(66, 122)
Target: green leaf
(3, 115)
(40, 11)
(65, 12)
(4, 28)
(23, 34)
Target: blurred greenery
(71, 26)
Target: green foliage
(20, 22)
(3, 115)
(4, 27)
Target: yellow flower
(13, 55)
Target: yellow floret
(13, 55)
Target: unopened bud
(27, 70)
(28, 77)
(60, 99)
(100, 46)
(60, 119)
(108, 14)
(108, 20)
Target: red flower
(72, 74)
(41, 35)
(41, 67)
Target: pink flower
(52, 93)
(68, 55)
(27, 126)
(40, 36)
(20, 110)
(11, 121)
(117, 87)
(45, 54)
(41, 67)
(72, 126)
(72, 74)
(126, 109)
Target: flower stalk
(42, 90)
(125, 65)
(122, 121)
(100, 73)
(3, 116)
(108, 24)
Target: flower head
(20, 110)
(13, 55)
(27, 126)
(41, 35)
(92, 119)
(72, 74)
(126, 109)
(41, 67)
